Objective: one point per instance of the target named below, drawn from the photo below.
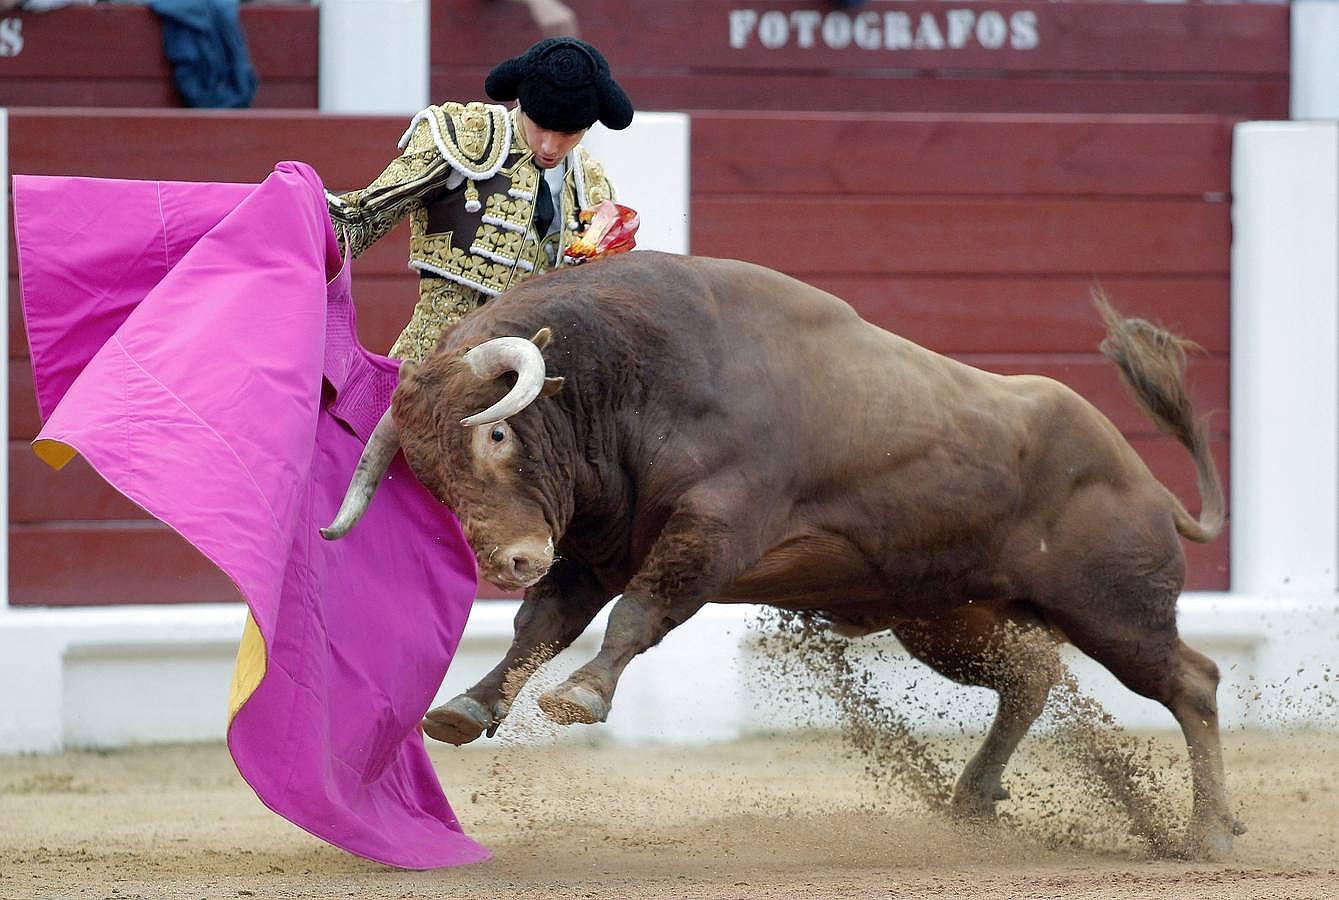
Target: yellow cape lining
(250, 668)
(54, 453)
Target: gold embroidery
(514, 212)
(474, 130)
(441, 303)
(472, 135)
(597, 189)
(421, 140)
(498, 242)
(425, 247)
(524, 177)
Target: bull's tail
(1153, 363)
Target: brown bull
(720, 432)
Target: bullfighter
(493, 194)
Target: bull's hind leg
(1132, 632)
(1015, 657)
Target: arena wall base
(116, 676)
(711, 680)
(106, 678)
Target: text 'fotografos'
(948, 29)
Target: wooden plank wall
(978, 236)
(111, 55)
(904, 55)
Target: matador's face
(549, 146)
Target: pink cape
(180, 333)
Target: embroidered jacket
(467, 181)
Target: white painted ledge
(115, 676)
(150, 674)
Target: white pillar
(1315, 59)
(1285, 357)
(373, 56)
(649, 164)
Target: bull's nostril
(521, 565)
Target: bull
(673, 431)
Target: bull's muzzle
(517, 565)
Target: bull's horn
(507, 354)
(372, 466)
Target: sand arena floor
(795, 816)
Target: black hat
(563, 85)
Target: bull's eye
(498, 434)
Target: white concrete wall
(649, 162)
(710, 679)
(109, 677)
(1285, 355)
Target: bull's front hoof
(1215, 845)
(457, 721)
(572, 704)
(976, 805)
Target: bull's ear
(407, 369)
(542, 337)
(551, 386)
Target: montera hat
(563, 85)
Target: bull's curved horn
(372, 466)
(507, 354)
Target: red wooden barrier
(904, 55)
(111, 54)
(978, 236)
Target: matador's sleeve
(366, 215)
(444, 146)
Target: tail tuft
(1152, 362)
